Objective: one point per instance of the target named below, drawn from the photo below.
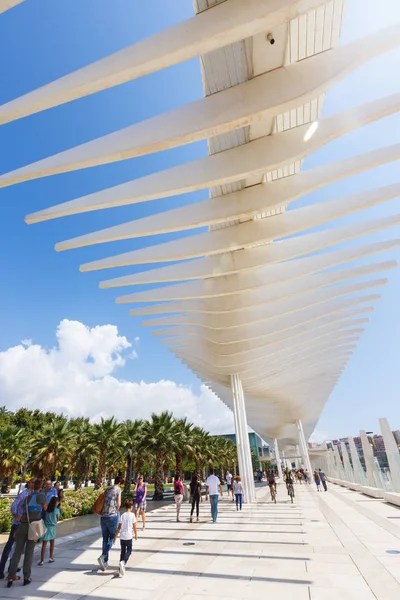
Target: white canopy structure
(262, 314)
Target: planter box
(371, 491)
(392, 497)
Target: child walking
(238, 491)
(126, 530)
(51, 519)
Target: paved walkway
(336, 545)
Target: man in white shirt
(212, 486)
(229, 484)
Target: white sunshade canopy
(263, 298)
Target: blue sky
(43, 40)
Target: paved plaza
(336, 545)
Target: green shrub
(5, 514)
(75, 504)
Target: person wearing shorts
(178, 495)
(140, 502)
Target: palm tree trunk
(159, 483)
(129, 471)
(178, 465)
(198, 466)
(101, 471)
(9, 481)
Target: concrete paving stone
(282, 591)
(325, 593)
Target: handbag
(36, 529)
(98, 506)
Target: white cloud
(78, 377)
(26, 342)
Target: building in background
(259, 448)
(377, 443)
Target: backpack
(98, 506)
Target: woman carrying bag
(29, 531)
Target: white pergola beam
(278, 272)
(226, 23)
(271, 360)
(236, 164)
(253, 331)
(258, 230)
(273, 290)
(6, 5)
(224, 356)
(328, 335)
(341, 322)
(248, 233)
(254, 200)
(261, 312)
(262, 97)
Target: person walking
(195, 496)
(33, 506)
(17, 509)
(126, 530)
(178, 495)
(51, 520)
(317, 480)
(109, 520)
(140, 502)
(238, 491)
(322, 477)
(212, 486)
(229, 483)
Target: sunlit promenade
(334, 545)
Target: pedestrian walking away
(229, 483)
(238, 491)
(322, 477)
(178, 495)
(51, 520)
(32, 512)
(195, 496)
(213, 484)
(17, 509)
(109, 520)
(317, 480)
(127, 529)
(141, 502)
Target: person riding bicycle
(288, 478)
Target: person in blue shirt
(17, 509)
(49, 490)
(32, 507)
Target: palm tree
(184, 443)
(52, 449)
(85, 450)
(106, 435)
(12, 453)
(200, 443)
(133, 435)
(160, 440)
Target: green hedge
(75, 504)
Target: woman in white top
(238, 491)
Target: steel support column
(278, 459)
(304, 447)
(242, 440)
